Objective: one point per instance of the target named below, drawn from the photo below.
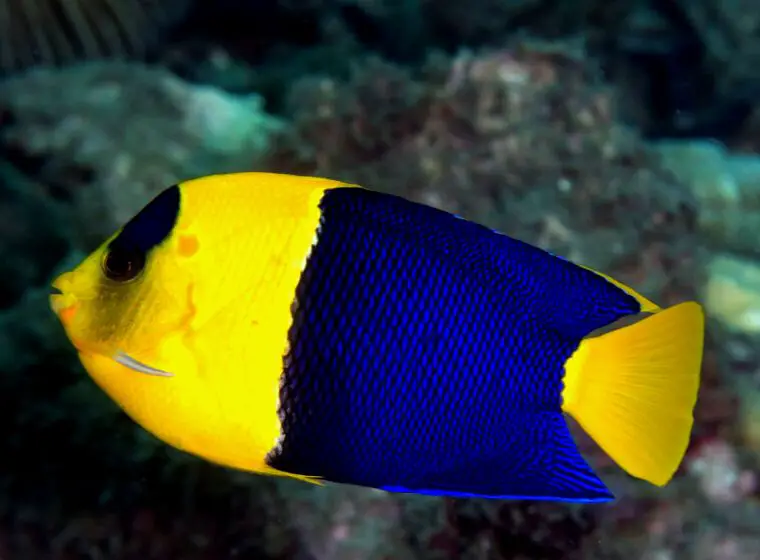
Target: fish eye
(123, 264)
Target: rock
(732, 292)
(523, 139)
(726, 186)
(106, 138)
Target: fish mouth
(63, 304)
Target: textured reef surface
(619, 134)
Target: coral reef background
(622, 134)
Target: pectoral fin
(133, 364)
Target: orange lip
(67, 314)
(65, 306)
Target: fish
(58, 33)
(310, 328)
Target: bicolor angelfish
(302, 327)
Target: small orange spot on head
(188, 245)
(67, 314)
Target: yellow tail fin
(633, 390)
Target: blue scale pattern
(427, 355)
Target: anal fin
(540, 461)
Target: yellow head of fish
(182, 316)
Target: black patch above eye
(151, 225)
(123, 264)
(127, 253)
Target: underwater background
(622, 134)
